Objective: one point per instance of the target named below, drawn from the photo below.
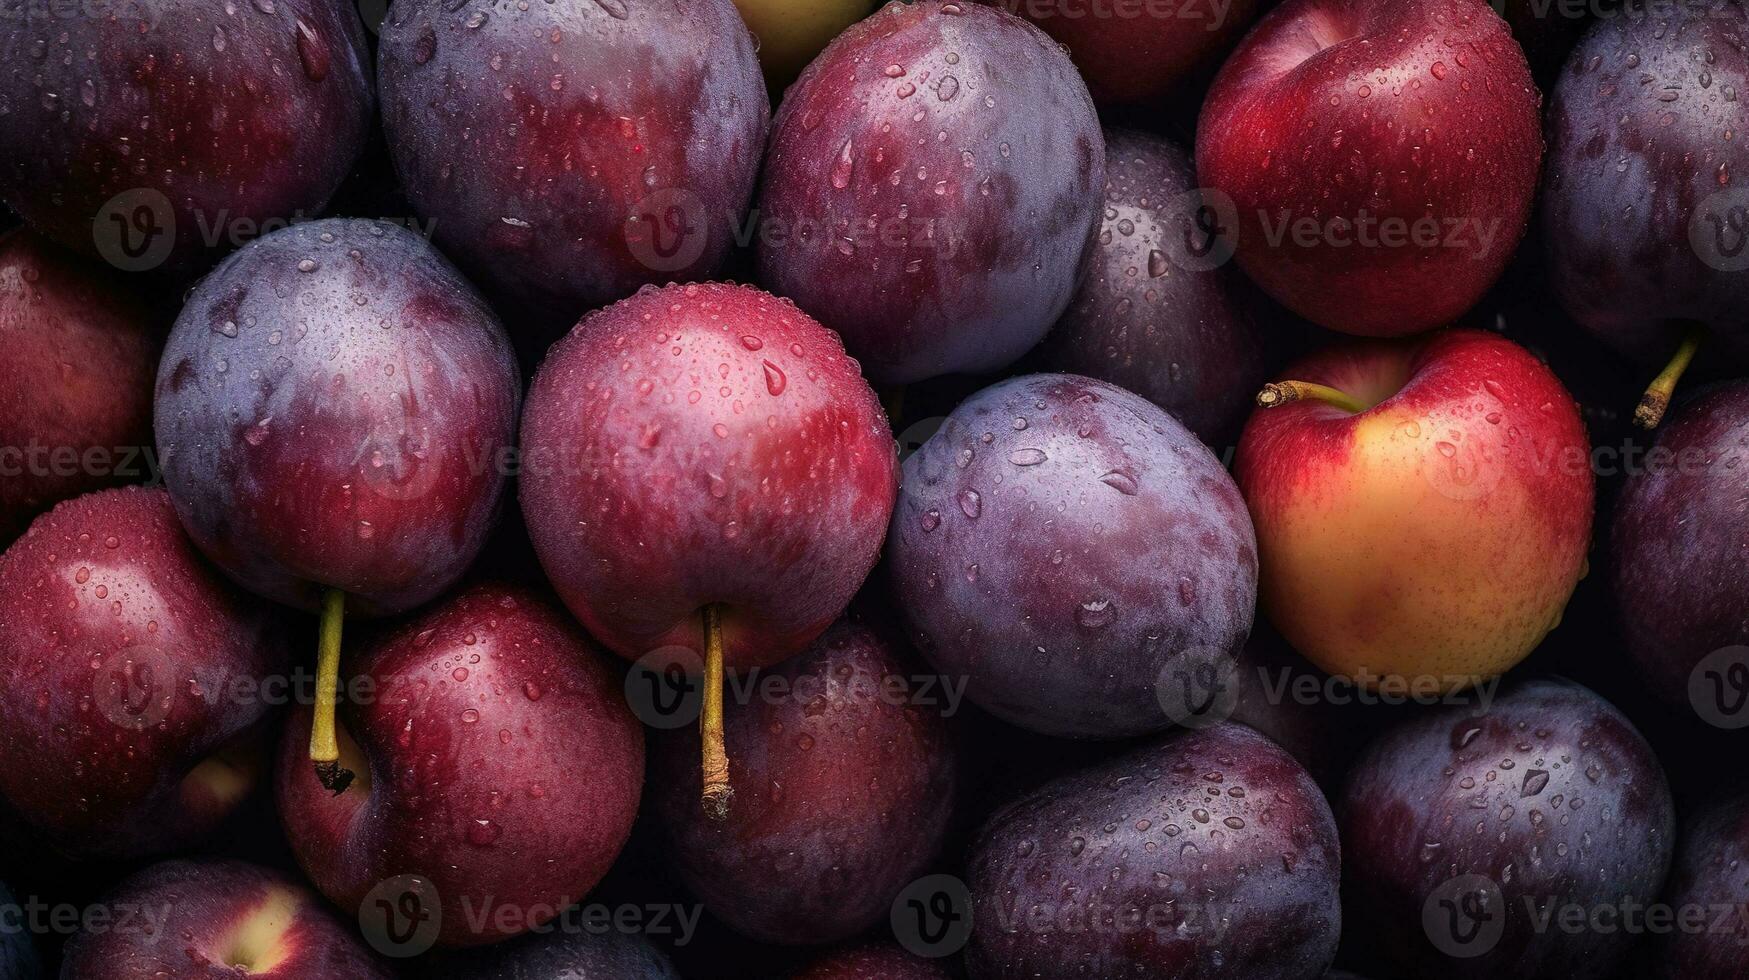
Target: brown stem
(1656, 401)
(717, 793)
(1287, 392)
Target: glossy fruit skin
(202, 907)
(1215, 844)
(1417, 110)
(792, 32)
(527, 822)
(842, 792)
(1061, 543)
(313, 441)
(1643, 210)
(1573, 809)
(1711, 872)
(874, 961)
(565, 956)
(79, 354)
(214, 119)
(739, 459)
(1682, 519)
(543, 138)
(1150, 318)
(1136, 54)
(124, 653)
(1436, 537)
(933, 254)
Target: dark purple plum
(581, 955)
(1709, 885)
(569, 153)
(1151, 316)
(933, 188)
(1209, 854)
(123, 687)
(1645, 216)
(844, 782)
(875, 961)
(76, 399)
(1066, 545)
(162, 131)
(18, 955)
(1680, 582)
(331, 408)
(1462, 827)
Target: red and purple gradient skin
(705, 444)
(1332, 111)
(334, 407)
(235, 113)
(123, 658)
(79, 355)
(874, 961)
(1438, 534)
(933, 189)
(571, 152)
(843, 791)
(1677, 543)
(1206, 855)
(220, 919)
(1550, 794)
(496, 759)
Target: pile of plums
(989, 489)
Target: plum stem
(324, 747)
(1656, 401)
(1287, 392)
(717, 793)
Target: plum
(160, 132)
(845, 785)
(1138, 53)
(125, 661)
(1473, 833)
(1644, 217)
(76, 403)
(1155, 314)
(932, 189)
(1067, 546)
(1683, 518)
(569, 153)
(1710, 876)
(497, 762)
(874, 961)
(564, 956)
(1205, 855)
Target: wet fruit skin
(563, 956)
(1550, 794)
(1683, 518)
(534, 134)
(1208, 854)
(1710, 874)
(1149, 317)
(218, 118)
(334, 409)
(705, 444)
(79, 353)
(874, 961)
(495, 758)
(1643, 210)
(1435, 538)
(125, 656)
(219, 918)
(932, 189)
(1134, 54)
(844, 784)
(1334, 117)
(1061, 543)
